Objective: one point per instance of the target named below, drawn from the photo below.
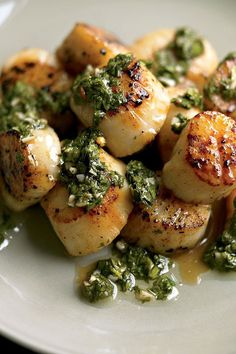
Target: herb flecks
(178, 123)
(222, 254)
(18, 110)
(100, 87)
(22, 108)
(191, 98)
(142, 181)
(226, 87)
(172, 62)
(187, 44)
(124, 270)
(82, 171)
(97, 287)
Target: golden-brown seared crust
(135, 85)
(28, 170)
(65, 214)
(215, 102)
(83, 232)
(18, 166)
(211, 149)
(14, 164)
(174, 215)
(168, 225)
(134, 124)
(86, 45)
(39, 75)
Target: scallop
(40, 69)
(29, 167)
(202, 168)
(83, 232)
(201, 67)
(168, 226)
(134, 124)
(88, 45)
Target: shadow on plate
(41, 235)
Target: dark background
(11, 347)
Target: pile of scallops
(198, 165)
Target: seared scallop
(202, 59)
(136, 120)
(88, 45)
(39, 69)
(86, 231)
(169, 225)
(220, 90)
(178, 116)
(36, 67)
(28, 167)
(202, 168)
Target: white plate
(39, 306)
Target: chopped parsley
(22, 107)
(142, 181)
(178, 123)
(127, 266)
(85, 175)
(172, 63)
(18, 110)
(226, 87)
(100, 87)
(162, 287)
(169, 69)
(55, 102)
(97, 288)
(187, 44)
(191, 98)
(222, 253)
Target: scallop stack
(73, 120)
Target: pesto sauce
(18, 110)
(22, 107)
(222, 254)
(124, 269)
(191, 98)
(142, 182)
(172, 62)
(226, 87)
(178, 123)
(100, 87)
(85, 175)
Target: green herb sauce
(172, 62)
(222, 254)
(124, 269)
(226, 88)
(142, 181)
(191, 98)
(85, 175)
(97, 287)
(100, 87)
(178, 123)
(22, 107)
